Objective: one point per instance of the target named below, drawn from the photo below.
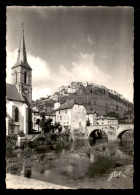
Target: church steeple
(22, 48)
(22, 56)
(22, 72)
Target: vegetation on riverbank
(48, 139)
(40, 142)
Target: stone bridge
(113, 132)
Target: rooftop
(109, 118)
(12, 93)
(67, 105)
(91, 111)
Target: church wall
(21, 106)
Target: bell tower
(22, 72)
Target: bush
(21, 133)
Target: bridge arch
(120, 133)
(97, 133)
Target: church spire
(22, 56)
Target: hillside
(93, 97)
(99, 102)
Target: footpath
(18, 182)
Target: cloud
(90, 40)
(45, 81)
(104, 57)
(73, 45)
(84, 70)
(41, 73)
(10, 60)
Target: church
(19, 94)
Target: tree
(37, 122)
(48, 125)
(42, 121)
(58, 126)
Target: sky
(64, 44)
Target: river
(76, 164)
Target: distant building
(92, 117)
(35, 117)
(56, 105)
(71, 89)
(63, 89)
(71, 115)
(107, 121)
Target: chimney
(56, 105)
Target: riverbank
(77, 164)
(124, 180)
(18, 182)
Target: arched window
(15, 76)
(25, 77)
(16, 114)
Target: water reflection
(26, 171)
(74, 163)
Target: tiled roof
(67, 105)
(51, 113)
(109, 118)
(26, 65)
(91, 112)
(12, 93)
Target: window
(60, 117)
(94, 103)
(25, 77)
(12, 129)
(15, 76)
(59, 111)
(16, 114)
(65, 111)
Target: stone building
(35, 117)
(71, 89)
(71, 115)
(107, 121)
(19, 94)
(92, 117)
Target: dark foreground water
(80, 163)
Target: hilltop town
(97, 98)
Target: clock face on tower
(25, 90)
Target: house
(19, 94)
(71, 115)
(51, 115)
(81, 89)
(35, 118)
(63, 89)
(71, 89)
(107, 121)
(89, 88)
(92, 117)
